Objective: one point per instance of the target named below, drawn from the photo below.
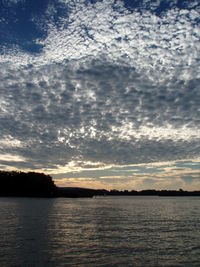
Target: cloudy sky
(102, 93)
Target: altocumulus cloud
(113, 84)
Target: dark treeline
(33, 184)
(29, 184)
(151, 192)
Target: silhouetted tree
(26, 184)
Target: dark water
(114, 231)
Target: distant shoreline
(32, 184)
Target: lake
(104, 231)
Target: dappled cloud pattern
(111, 84)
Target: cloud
(90, 114)
(11, 158)
(112, 85)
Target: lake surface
(107, 231)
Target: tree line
(33, 184)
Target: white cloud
(10, 142)
(111, 86)
(11, 158)
(108, 30)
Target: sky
(102, 94)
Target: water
(110, 231)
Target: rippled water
(110, 231)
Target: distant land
(32, 184)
